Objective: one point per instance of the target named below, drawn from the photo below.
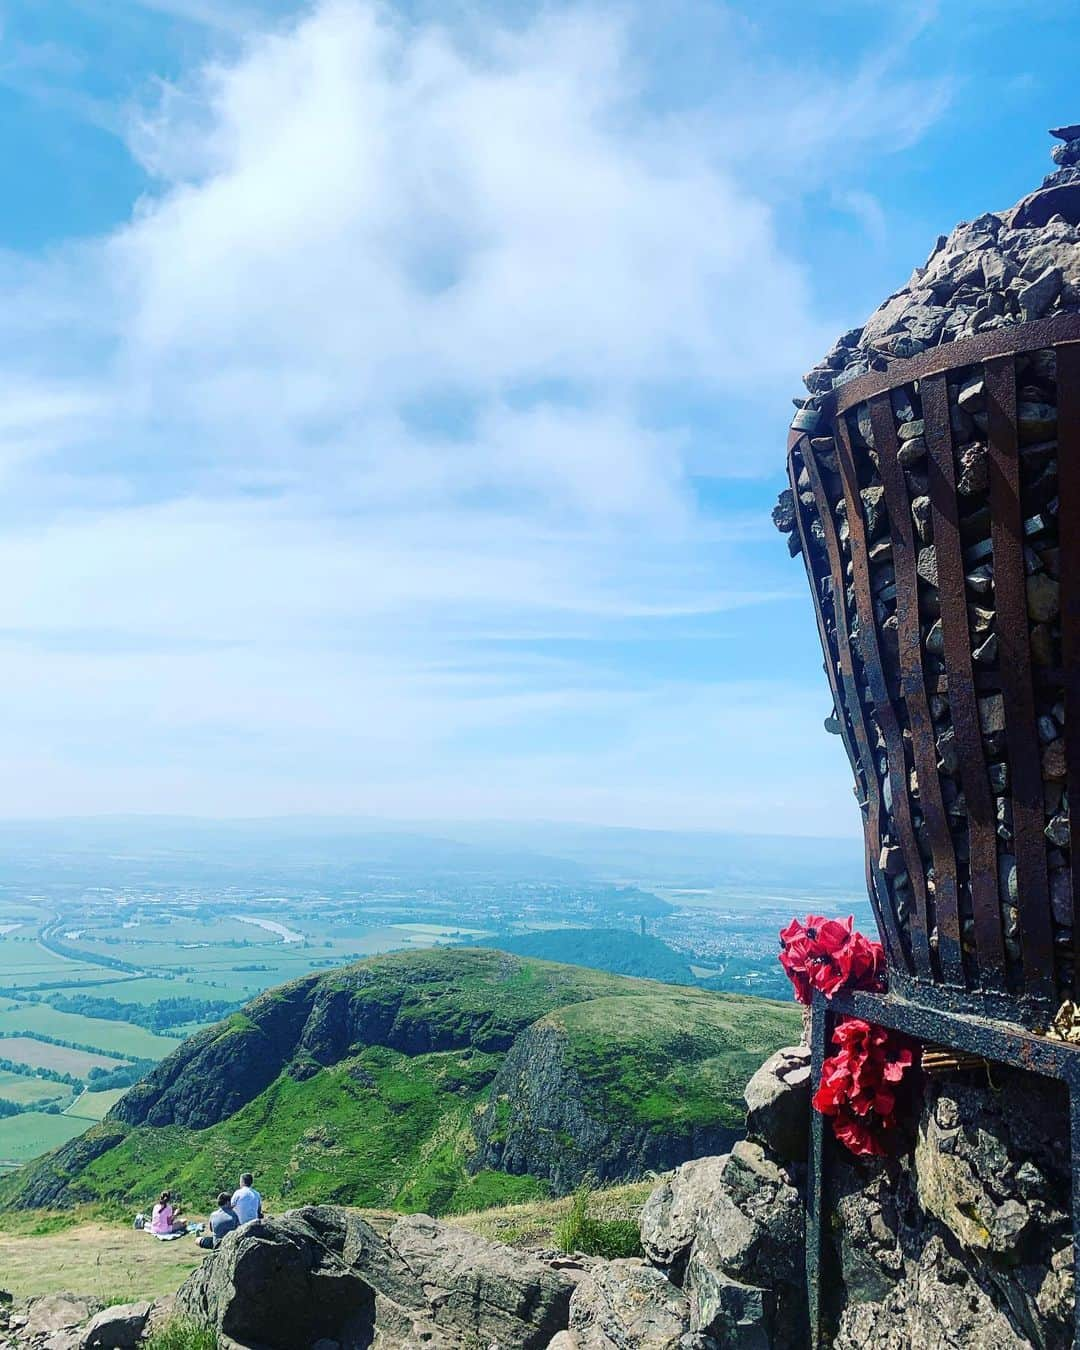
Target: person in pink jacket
(166, 1220)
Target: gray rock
(627, 1305)
(672, 1213)
(1043, 598)
(325, 1273)
(116, 1328)
(778, 1103)
(937, 1307)
(58, 1312)
(1035, 299)
(565, 1340)
(739, 1316)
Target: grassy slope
(380, 1128)
(43, 1254)
(676, 1057)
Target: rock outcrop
(325, 1274)
(543, 1119)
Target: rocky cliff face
(543, 1119)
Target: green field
(116, 1038)
(93, 1105)
(24, 964)
(42, 1055)
(23, 1137)
(17, 1087)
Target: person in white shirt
(246, 1201)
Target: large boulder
(475, 1290)
(628, 1305)
(778, 1103)
(285, 1283)
(752, 1236)
(323, 1273)
(673, 1212)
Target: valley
(118, 940)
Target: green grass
(183, 1335)
(580, 1231)
(17, 1087)
(676, 1058)
(114, 1038)
(27, 1135)
(93, 1105)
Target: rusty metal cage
(938, 512)
(937, 505)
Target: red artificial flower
(858, 1088)
(827, 954)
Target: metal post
(820, 1028)
(1074, 1124)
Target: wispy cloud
(373, 374)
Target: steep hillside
(440, 1080)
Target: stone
(1057, 831)
(1043, 598)
(921, 514)
(1036, 422)
(671, 1215)
(874, 510)
(117, 1328)
(1053, 760)
(1035, 299)
(565, 1340)
(992, 714)
(738, 1316)
(1061, 896)
(626, 1303)
(926, 565)
(973, 469)
(53, 1313)
(937, 1307)
(778, 1103)
(325, 1272)
(783, 513)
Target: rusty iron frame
(925, 953)
(972, 1001)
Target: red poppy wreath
(862, 1084)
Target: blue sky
(392, 397)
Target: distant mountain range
(432, 1080)
(113, 849)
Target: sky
(393, 396)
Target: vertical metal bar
(963, 706)
(1074, 1132)
(1010, 594)
(946, 908)
(1068, 392)
(820, 1029)
(852, 702)
(801, 444)
(886, 716)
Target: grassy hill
(619, 951)
(443, 1081)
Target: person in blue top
(246, 1200)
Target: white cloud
(371, 375)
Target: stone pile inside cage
(1005, 269)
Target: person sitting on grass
(166, 1220)
(246, 1201)
(223, 1220)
